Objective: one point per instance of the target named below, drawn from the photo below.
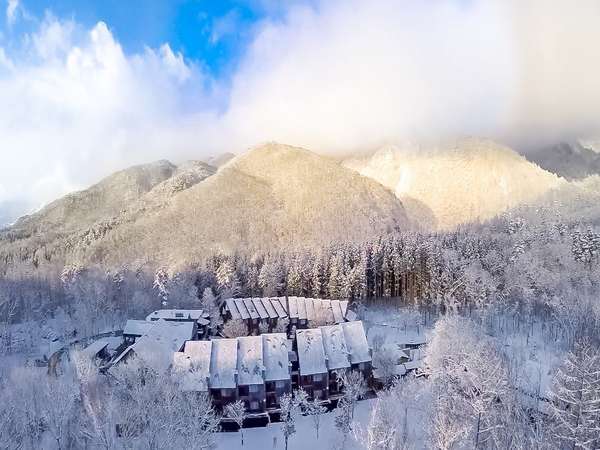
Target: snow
(311, 355)
(137, 327)
(223, 364)
(176, 314)
(250, 360)
(241, 307)
(338, 317)
(193, 365)
(262, 311)
(95, 347)
(231, 306)
(269, 308)
(335, 347)
(251, 309)
(310, 309)
(271, 436)
(276, 360)
(356, 340)
(156, 347)
(301, 308)
(293, 307)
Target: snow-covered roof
(95, 347)
(334, 344)
(311, 355)
(338, 317)
(192, 366)
(156, 347)
(335, 311)
(223, 364)
(356, 340)
(262, 311)
(250, 360)
(292, 307)
(176, 314)
(137, 327)
(241, 307)
(276, 356)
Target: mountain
(570, 160)
(271, 197)
(220, 160)
(452, 183)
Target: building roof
(276, 356)
(92, 350)
(292, 307)
(334, 311)
(241, 307)
(176, 314)
(192, 366)
(250, 360)
(336, 350)
(156, 347)
(356, 340)
(311, 355)
(223, 364)
(137, 327)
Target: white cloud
(11, 11)
(340, 76)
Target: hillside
(273, 196)
(459, 182)
(570, 160)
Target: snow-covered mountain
(449, 184)
(571, 160)
(273, 196)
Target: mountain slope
(570, 160)
(459, 182)
(273, 196)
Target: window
(279, 384)
(254, 388)
(224, 392)
(317, 393)
(253, 405)
(244, 390)
(317, 377)
(178, 314)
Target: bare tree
(289, 411)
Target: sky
(89, 87)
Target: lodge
(257, 369)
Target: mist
(333, 76)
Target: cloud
(11, 11)
(335, 76)
(224, 26)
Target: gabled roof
(301, 308)
(262, 311)
(223, 364)
(249, 304)
(176, 314)
(92, 350)
(335, 347)
(276, 356)
(338, 317)
(241, 307)
(269, 308)
(356, 340)
(250, 360)
(311, 355)
(137, 327)
(292, 307)
(156, 347)
(192, 366)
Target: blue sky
(215, 32)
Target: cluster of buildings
(321, 341)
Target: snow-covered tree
(210, 304)
(576, 398)
(237, 412)
(289, 411)
(315, 410)
(235, 328)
